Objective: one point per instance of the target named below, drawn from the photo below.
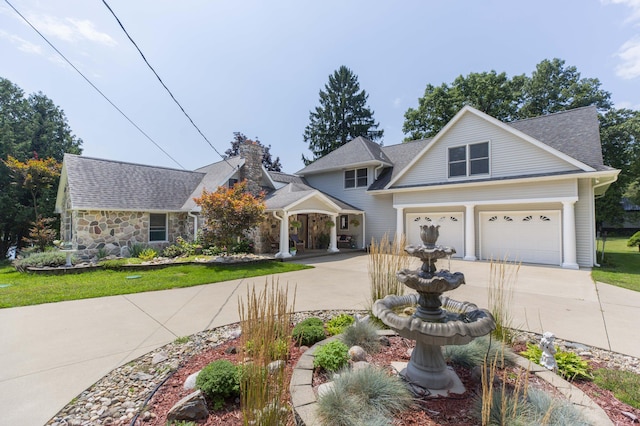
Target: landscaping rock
(356, 353)
(190, 382)
(159, 357)
(191, 407)
(325, 388)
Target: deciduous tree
(342, 115)
(229, 213)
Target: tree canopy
(267, 160)
(552, 87)
(342, 115)
(31, 128)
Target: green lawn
(22, 289)
(621, 265)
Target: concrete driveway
(51, 353)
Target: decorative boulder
(191, 407)
(356, 353)
(190, 382)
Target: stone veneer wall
(111, 230)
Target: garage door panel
(532, 237)
(451, 229)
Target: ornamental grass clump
(265, 320)
(367, 396)
(502, 279)
(385, 259)
(475, 352)
(40, 260)
(363, 334)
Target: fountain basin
(422, 282)
(464, 321)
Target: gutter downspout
(195, 224)
(375, 171)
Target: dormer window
(469, 160)
(356, 178)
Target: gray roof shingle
(358, 151)
(114, 185)
(575, 132)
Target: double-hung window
(469, 160)
(356, 178)
(158, 227)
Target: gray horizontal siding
(585, 225)
(504, 192)
(529, 159)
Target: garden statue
(548, 359)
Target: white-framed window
(356, 178)
(469, 160)
(158, 227)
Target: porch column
(569, 259)
(284, 237)
(470, 232)
(333, 241)
(399, 222)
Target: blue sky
(257, 66)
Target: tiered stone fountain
(438, 320)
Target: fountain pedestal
(438, 320)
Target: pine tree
(342, 116)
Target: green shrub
(219, 381)
(332, 356)
(634, 240)
(364, 397)
(570, 365)
(171, 251)
(337, 324)
(41, 260)
(102, 253)
(309, 331)
(148, 254)
(118, 264)
(244, 246)
(363, 334)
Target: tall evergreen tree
(30, 127)
(343, 115)
(267, 160)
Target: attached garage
(523, 236)
(451, 229)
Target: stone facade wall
(252, 170)
(111, 230)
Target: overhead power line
(162, 82)
(93, 85)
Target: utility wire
(164, 85)
(93, 85)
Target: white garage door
(531, 237)
(451, 229)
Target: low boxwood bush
(570, 365)
(41, 260)
(332, 356)
(337, 324)
(218, 381)
(309, 331)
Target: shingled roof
(360, 151)
(575, 132)
(114, 185)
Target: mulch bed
(454, 410)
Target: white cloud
(633, 4)
(70, 29)
(629, 52)
(21, 44)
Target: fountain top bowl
(470, 321)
